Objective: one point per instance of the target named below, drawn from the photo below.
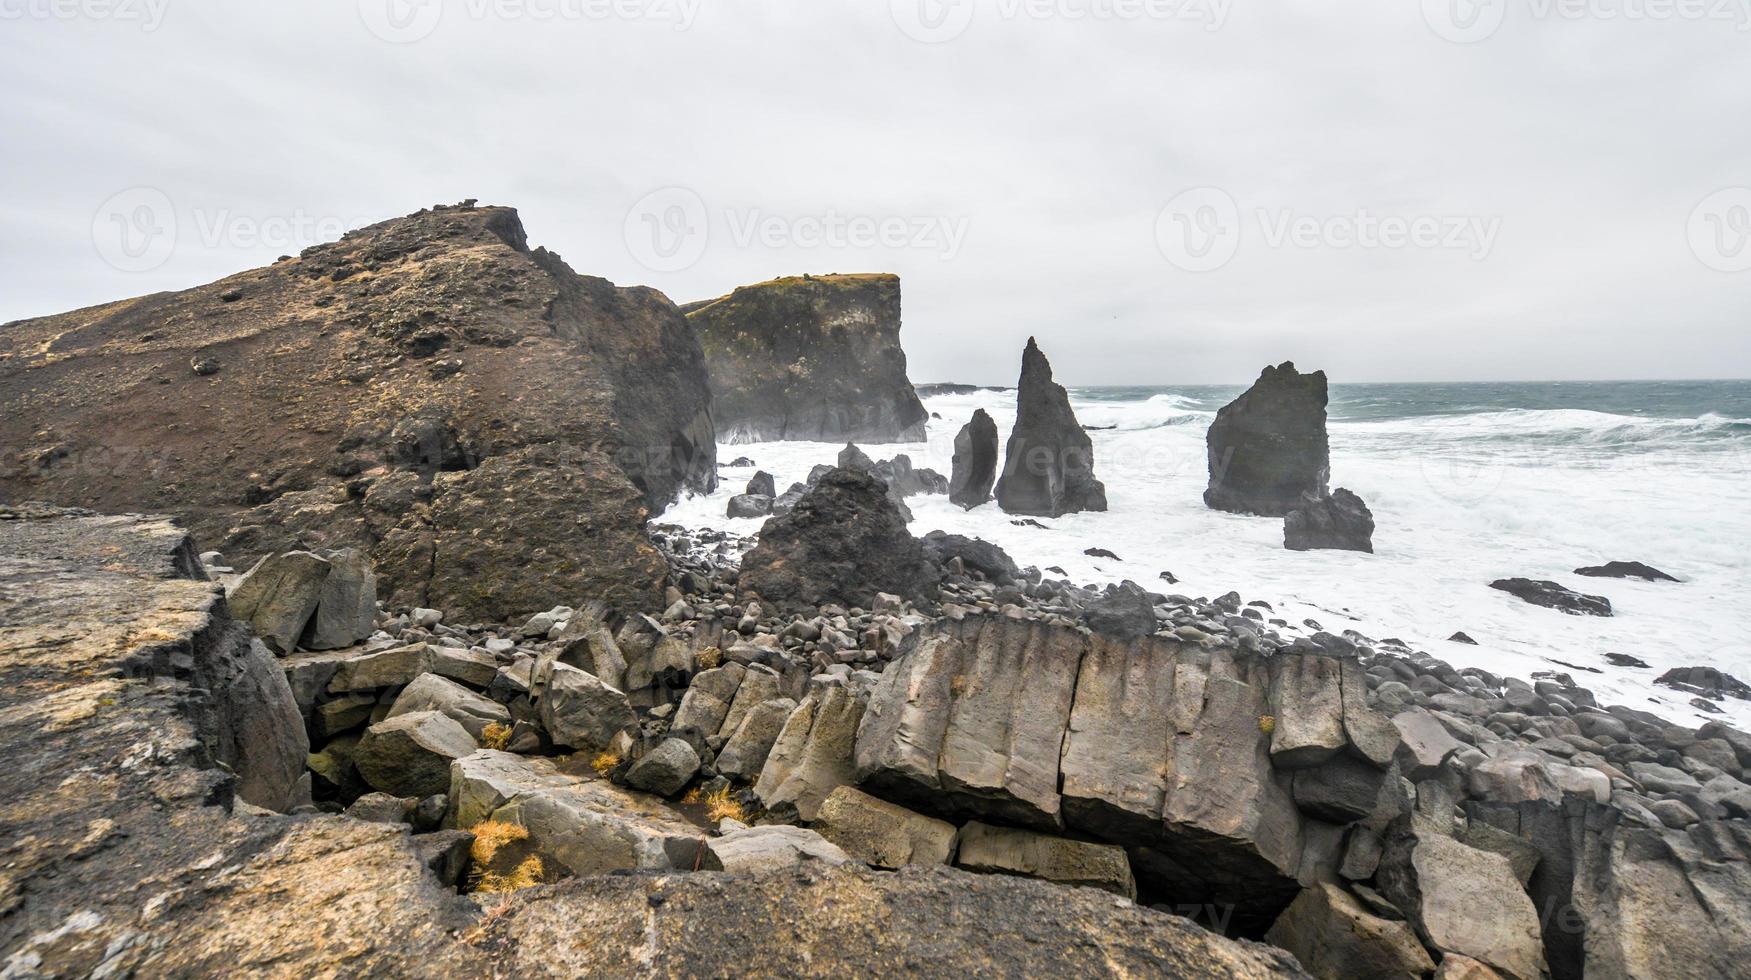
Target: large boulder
(976, 554)
(1463, 900)
(1048, 467)
(580, 712)
(770, 848)
(1335, 938)
(813, 358)
(1009, 850)
(346, 609)
(410, 755)
(1339, 521)
(446, 351)
(975, 462)
(883, 834)
(1268, 447)
(843, 543)
(812, 755)
(279, 595)
(429, 692)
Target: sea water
(1468, 483)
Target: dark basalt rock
(975, 462)
(1101, 553)
(814, 358)
(1339, 521)
(977, 554)
(1554, 596)
(1625, 660)
(1462, 637)
(1125, 610)
(844, 541)
(327, 429)
(1048, 468)
(1706, 681)
(1268, 447)
(749, 505)
(762, 484)
(1625, 569)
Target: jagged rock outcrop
(1553, 595)
(1048, 466)
(1625, 569)
(429, 390)
(975, 462)
(813, 358)
(844, 542)
(1339, 521)
(1269, 446)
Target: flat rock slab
(883, 834)
(1009, 850)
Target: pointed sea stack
(1049, 469)
(1268, 447)
(975, 462)
(811, 358)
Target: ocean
(1468, 483)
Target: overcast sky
(1161, 191)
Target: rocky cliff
(1048, 466)
(1269, 446)
(428, 389)
(814, 358)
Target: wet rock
(1008, 850)
(1625, 569)
(761, 484)
(749, 505)
(976, 554)
(814, 358)
(1339, 521)
(1625, 660)
(883, 834)
(1269, 446)
(975, 462)
(1705, 681)
(1048, 468)
(1554, 596)
(843, 543)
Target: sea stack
(1268, 447)
(811, 358)
(1049, 466)
(975, 462)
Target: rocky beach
(419, 606)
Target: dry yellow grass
(693, 796)
(604, 763)
(709, 657)
(1267, 723)
(496, 736)
(527, 875)
(722, 806)
(490, 835)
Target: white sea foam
(1460, 500)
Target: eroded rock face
(844, 542)
(815, 358)
(975, 462)
(1048, 467)
(1268, 447)
(609, 383)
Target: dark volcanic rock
(1625, 660)
(1268, 447)
(761, 484)
(1706, 681)
(1340, 521)
(1125, 610)
(975, 553)
(1048, 468)
(1550, 594)
(814, 358)
(1625, 569)
(975, 462)
(843, 542)
(326, 429)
